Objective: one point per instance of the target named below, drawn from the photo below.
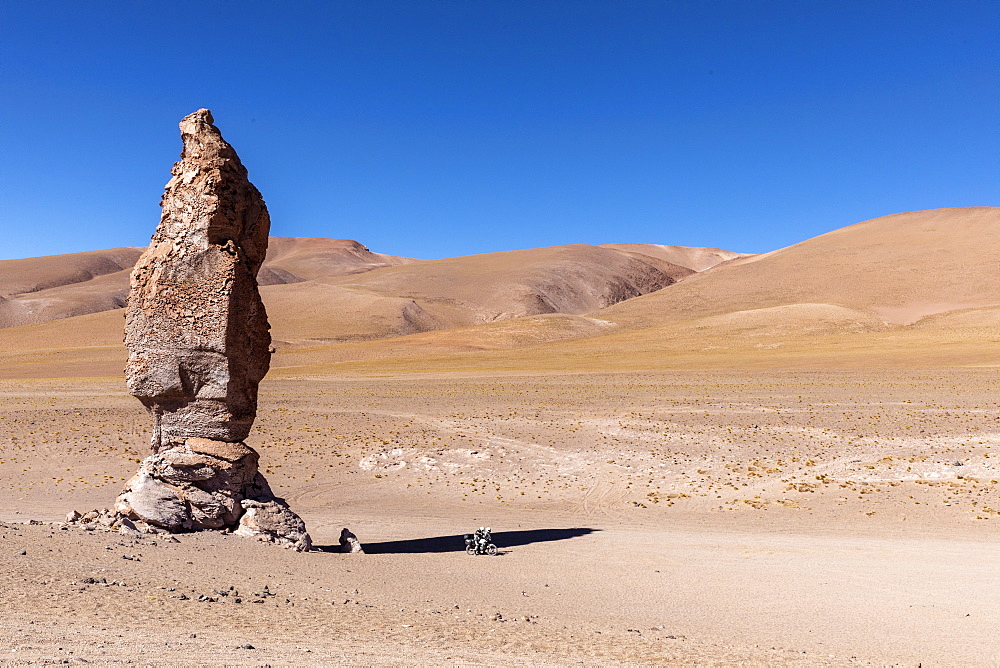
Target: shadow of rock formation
(456, 543)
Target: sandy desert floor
(723, 517)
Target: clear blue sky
(433, 128)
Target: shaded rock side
(184, 488)
(349, 543)
(272, 520)
(196, 330)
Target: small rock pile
(110, 520)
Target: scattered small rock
(349, 543)
(127, 527)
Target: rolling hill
(897, 268)
(918, 288)
(36, 290)
(463, 291)
(910, 289)
(338, 290)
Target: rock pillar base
(206, 484)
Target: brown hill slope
(63, 286)
(918, 288)
(18, 277)
(696, 259)
(462, 291)
(910, 289)
(898, 268)
(296, 259)
(333, 290)
(915, 288)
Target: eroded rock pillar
(198, 342)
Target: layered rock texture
(195, 327)
(198, 342)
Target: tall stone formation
(198, 342)
(195, 328)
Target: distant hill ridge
(450, 292)
(917, 288)
(898, 268)
(63, 286)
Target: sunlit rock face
(196, 331)
(198, 346)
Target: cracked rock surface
(199, 344)
(272, 520)
(199, 484)
(195, 327)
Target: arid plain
(686, 456)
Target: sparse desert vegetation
(677, 489)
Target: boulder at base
(206, 484)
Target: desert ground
(692, 517)
(687, 456)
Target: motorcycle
(479, 543)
